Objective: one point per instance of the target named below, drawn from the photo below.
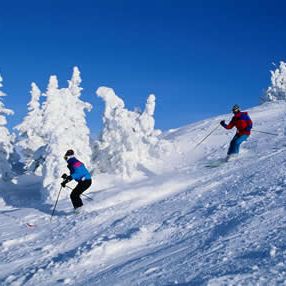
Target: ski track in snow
(187, 225)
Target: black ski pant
(77, 191)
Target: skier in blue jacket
(79, 173)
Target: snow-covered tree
(277, 90)
(77, 118)
(6, 139)
(146, 119)
(74, 83)
(128, 138)
(64, 127)
(30, 136)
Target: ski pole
(274, 134)
(56, 203)
(206, 137)
(82, 194)
(88, 197)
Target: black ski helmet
(235, 108)
(69, 152)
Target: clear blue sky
(198, 57)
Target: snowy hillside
(182, 224)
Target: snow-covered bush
(64, 127)
(128, 138)
(6, 139)
(277, 90)
(30, 136)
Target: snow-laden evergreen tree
(64, 128)
(277, 90)
(30, 135)
(77, 118)
(6, 139)
(74, 83)
(128, 138)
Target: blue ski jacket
(78, 171)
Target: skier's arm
(249, 123)
(75, 176)
(72, 171)
(227, 126)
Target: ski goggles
(66, 157)
(235, 110)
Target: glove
(222, 123)
(67, 179)
(64, 176)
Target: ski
(30, 225)
(216, 163)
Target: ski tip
(30, 225)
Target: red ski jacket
(242, 122)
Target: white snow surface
(182, 224)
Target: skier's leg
(75, 196)
(238, 141)
(77, 191)
(231, 149)
(85, 185)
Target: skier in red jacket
(243, 123)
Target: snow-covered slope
(183, 224)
